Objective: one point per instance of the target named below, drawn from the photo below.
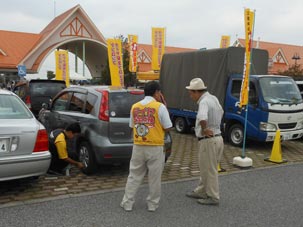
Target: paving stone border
(181, 165)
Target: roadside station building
(74, 31)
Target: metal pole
(246, 107)
(76, 59)
(84, 58)
(54, 9)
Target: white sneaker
(152, 208)
(126, 207)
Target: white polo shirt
(210, 111)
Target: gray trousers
(210, 153)
(145, 159)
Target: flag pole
(246, 107)
(243, 161)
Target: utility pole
(54, 8)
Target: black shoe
(54, 173)
(208, 201)
(195, 195)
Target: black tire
(87, 157)
(181, 125)
(236, 135)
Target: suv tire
(87, 157)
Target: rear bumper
(108, 153)
(113, 153)
(24, 166)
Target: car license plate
(286, 137)
(4, 144)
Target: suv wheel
(87, 157)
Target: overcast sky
(188, 23)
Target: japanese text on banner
(158, 47)
(115, 62)
(133, 47)
(62, 69)
(225, 41)
(249, 23)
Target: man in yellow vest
(149, 120)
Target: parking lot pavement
(182, 164)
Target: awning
(150, 75)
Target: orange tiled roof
(145, 67)
(168, 49)
(272, 48)
(14, 46)
(56, 21)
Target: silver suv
(103, 114)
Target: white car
(23, 140)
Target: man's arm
(206, 131)
(73, 162)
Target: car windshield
(46, 89)
(280, 90)
(12, 108)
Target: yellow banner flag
(225, 41)
(249, 24)
(115, 62)
(158, 47)
(62, 69)
(133, 52)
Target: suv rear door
(120, 104)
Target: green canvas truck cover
(214, 67)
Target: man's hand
(80, 165)
(208, 132)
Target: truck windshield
(280, 90)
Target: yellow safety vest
(147, 128)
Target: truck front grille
(287, 125)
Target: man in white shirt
(210, 142)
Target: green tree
(50, 75)
(294, 71)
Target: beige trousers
(210, 152)
(145, 159)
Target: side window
(252, 93)
(77, 102)
(60, 103)
(90, 103)
(236, 88)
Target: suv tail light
(28, 102)
(41, 141)
(103, 113)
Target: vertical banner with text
(225, 41)
(158, 45)
(115, 62)
(62, 69)
(249, 24)
(133, 52)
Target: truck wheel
(236, 135)
(87, 157)
(180, 125)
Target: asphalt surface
(255, 197)
(182, 165)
